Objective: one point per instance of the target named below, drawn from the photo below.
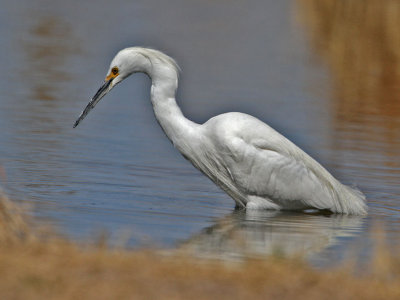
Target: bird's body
(258, 167)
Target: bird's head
(126, 62)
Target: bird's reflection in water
(260, 233)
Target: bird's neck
(176, 126)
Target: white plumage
(258, 167)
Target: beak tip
(96, 98)
(76, 123)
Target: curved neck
(178, 129)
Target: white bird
(254, 164)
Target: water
(118, 172)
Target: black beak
(96, 98)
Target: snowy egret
(255, 165)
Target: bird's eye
(114, 70)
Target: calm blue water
(118, 172)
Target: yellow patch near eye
(114, 73)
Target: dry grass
(52, 268)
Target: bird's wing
(258, 161)
(259, 168)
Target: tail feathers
(351, 201)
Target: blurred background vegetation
(359, 41)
